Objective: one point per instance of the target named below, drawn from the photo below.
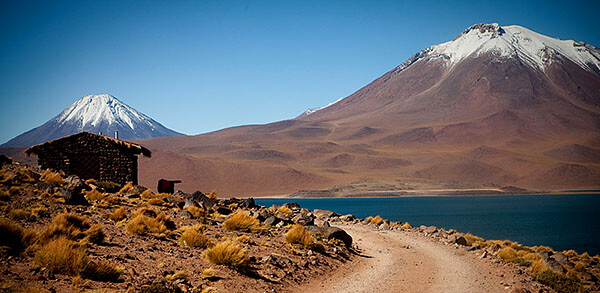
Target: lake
(563, 222)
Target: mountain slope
(526, 96)
(95, 113)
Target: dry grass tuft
(298, 234)
(209, 274)
(242, 221)
(212, 195)
(79, 282)
(109, 186)
(407, 226)
(103, 271)
(157, 202)
(62, 256)
(95, 234)
(94, 195)
(194, 237)
(472, 239)
(377, 220)
(197, 213)
(20, 214)
(69, 225)
(507, 253)
(4, 195)
(227, 253)
(284, 211)
(242, 239)
(14, 237)
(537, 267)
(52, 177)
(210, 290)
(147, 194)
(128, 188)
(150, 222)
(119, 214)
(180, 275)
(542, 248)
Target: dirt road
(398, 261)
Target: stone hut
(89, 155)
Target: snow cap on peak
(514, 41)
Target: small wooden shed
(90, 155)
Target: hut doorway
(86, 166)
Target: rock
(303, 219)
(312, 229)
(458, 239)
(223, 210)
(271, 221)
(139, 189)
(483, 255)
(560, 258)
(189, 203)
(493, 248)
(587, 277)
(73, 191)
(160, 286)
(132, 195)
(430, 229)
(292, 206)
(5, 160)
(347, 218)
(262, 215)
(384, 226)
(248, 203)
(184, 214)
(324, 213)
(337, 233)
(554, 265)
(472, 248)
(204, 202)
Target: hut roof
(129, 146)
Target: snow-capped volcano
(95, 113)
(517, 42)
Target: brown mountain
(497, 106)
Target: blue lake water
(562, 222)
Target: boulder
(560, 258)
(204, 202)
(271, 221)
(292, 206)
(223, 210)
(184, 214)
(324, 214)
(430, 229)
(189, 203)
(458, 239)
(347, 218)
(73, 191)
(554, 265)
(262, 215)
(384, 226)
(337, 233)
(472, 248)
(312, 229)
(248, 203)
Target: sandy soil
(398, 261)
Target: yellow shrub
(52, 177)
(119, 214)
(507, 253)
(19, 214)
(377, 220)
(212, 195)
(197, 213)
(242, 221)
(472, 239)
(242, 239)
(94, 195)
(369, 219)
(284, 211)
(407, 226)
(570, 253)
(194, 237)
(103, 271)
(15, 237)
(541, 248)
(537, 267)
(177, 276)
(69, 225)
(128, 188)
(209, 274)
(61, 256)
(157, 202)
(298, 234)
(148, 221)
(147, 194)
(210, 290)
(227, 253)
(95, 234)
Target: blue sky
(199, 66)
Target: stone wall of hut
(90, 157)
